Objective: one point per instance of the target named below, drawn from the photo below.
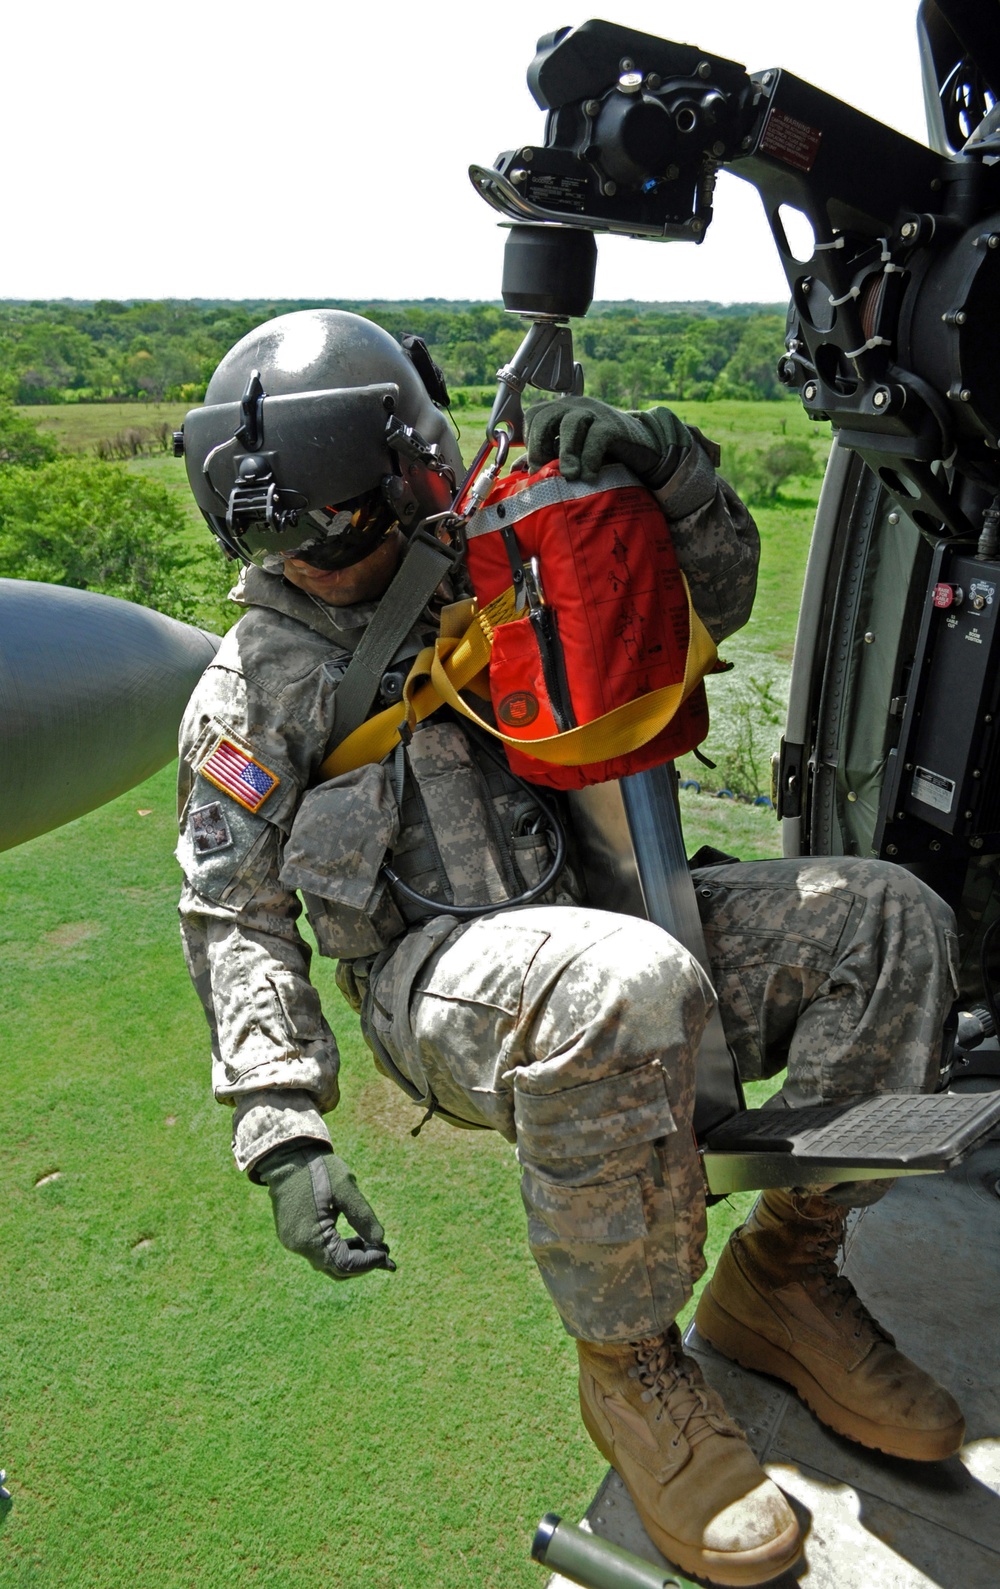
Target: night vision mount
(893, 332)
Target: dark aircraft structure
(891, 249)
(91, 692)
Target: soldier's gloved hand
(584, 434)
(310, 1188)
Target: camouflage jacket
(256, 828)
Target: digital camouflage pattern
(574, 1034)
(715, 538)
(857, 1008)
(271, 691)
(571, 1031)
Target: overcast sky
(320, 150)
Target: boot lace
(674, 1380)
(835, 1286)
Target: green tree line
(75, 352)
(95, 525)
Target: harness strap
(426, 563)
(441, 671)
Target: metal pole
(593, 1562)
(650, 801)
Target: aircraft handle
(593, 1562)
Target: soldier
(570, 1030)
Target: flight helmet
(319, 434)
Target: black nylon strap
(423, 567)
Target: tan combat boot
(778, 1303)
(702, 1496)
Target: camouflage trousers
(574, 1033)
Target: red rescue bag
(597, 616)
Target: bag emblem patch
(236, 773)
(518, 709)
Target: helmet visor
(330, 537)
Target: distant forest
(80, 352)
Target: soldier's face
(342, 587)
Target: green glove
(585, 434)
(310, 1188)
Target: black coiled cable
(438, 907)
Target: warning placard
(790, 140)
(932, 789)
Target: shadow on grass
(6, 1507)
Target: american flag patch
(236, 773)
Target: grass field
(183, 1405)
(183, 1402)
(78, 427)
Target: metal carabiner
(483, 484)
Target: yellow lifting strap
(456, 663)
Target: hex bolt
(610, 189)
(809, 391)
(592, 107)
(653, 81)
(880, 398)
(908, 230)
(697, 225)
(527, 155)
(703, 69)
(767, 79)
(626, 64)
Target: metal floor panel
(927, 1261)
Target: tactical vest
(448, 815)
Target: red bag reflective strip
(614, 624)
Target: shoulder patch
(209, 828)
(238, 774)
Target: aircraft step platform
(891, 1134)
(927, 1261)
